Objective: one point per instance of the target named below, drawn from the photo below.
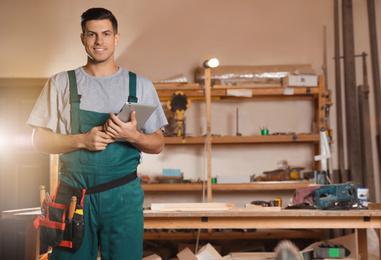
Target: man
(86, 135)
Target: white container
(363, 196)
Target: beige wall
(163, 38)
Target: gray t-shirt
(98, 94)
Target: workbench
(359, 220)
(240, 218)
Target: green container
(265, 131)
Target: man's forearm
(149, 143)
(46, 141)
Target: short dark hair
(98, 14)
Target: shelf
(255, 139)
(194, 91)
(166, 90)
(271, 91)
(257, 234)
(172, 187)
(186, 140)
(228, 187)
(280, 185)
(223, 93)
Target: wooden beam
(366, 141)
(208, 100)
(258, 234)
(54, 171)
(252, 187)
(351, 104)
(366, 136)
(339, 99)
(375, 73)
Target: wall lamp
(212, 63)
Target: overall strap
(74, 101)
(132, 97)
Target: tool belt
(56, 229)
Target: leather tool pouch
(55, 227)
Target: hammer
(73, 204)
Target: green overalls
(113, 218)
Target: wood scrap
(191, 206)
(255, 209)
(259, 255)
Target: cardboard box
(186, 254)
(171, 172)
(248, 256)
(300, 81)
(182, 246)
(233, 179)
(208, 252)
(152, 257)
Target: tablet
(143, 112)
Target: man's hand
(117, 129)
(96, 139)
(147, 143)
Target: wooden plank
(190, 206)
(54, 171)
(221, 91)
(172, 187)
(32, 240)
(191, 93)
(255, 208)
(266, 139)
(361, 244)
(267, 222)
(186, 140)
(257, 186)
(339, 100)
(366, 141)
(253, 256)
(258, 234)
(208, 132)
(297, 138)
(264, 98)
(375, 215)
(260, 186)
(375, 73)
(351, 104)
(176, 86)
(273, 91)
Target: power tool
(334, 196)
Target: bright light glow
(14, 142)
(212, 63)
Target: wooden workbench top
(233, 212)
(242, 212)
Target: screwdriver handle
(73, 204)
(42, 195)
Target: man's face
(99, 40)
